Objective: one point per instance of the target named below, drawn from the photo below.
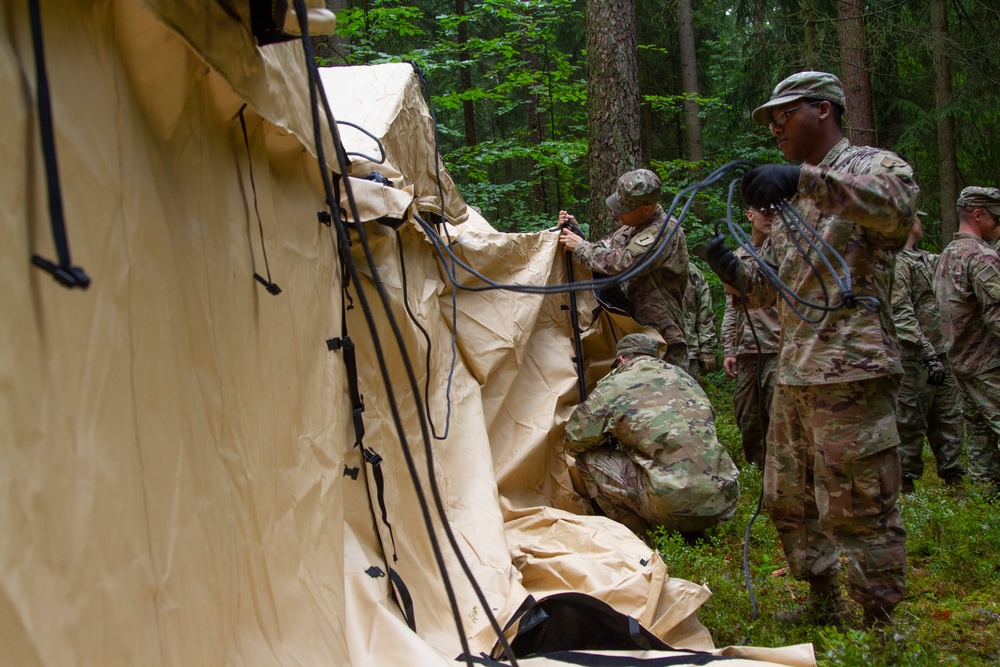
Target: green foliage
(525, 65)
(526, 69)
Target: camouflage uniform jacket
(968, 291)
(655, 296)
(737, 339)
(699, 318)
(861, 200)
(661, 418)
(914, 305)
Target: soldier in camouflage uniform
(751, 355)
(645, 446)
(655, 296)
(699, 323)
(928, 401)
(832, 470)
(968, 291)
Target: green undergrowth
(951, 615)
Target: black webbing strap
(598, 660)
(269, 285)
(374, 462)
(482, 659)
(64, 272)
(574, 319)
(403, 598)
(400, 591)
(585, 659)
(351, 366)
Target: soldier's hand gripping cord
(721, 259)
(935, 371)
(766, 185)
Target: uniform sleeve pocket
(989, 280)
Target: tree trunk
(465, 76)
(612, 103)
(689, 80)
(860, 119)
(534, 122)
(759, 19)
(329, 49)
(809, 33)
(947, 161)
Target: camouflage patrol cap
(814, 85)
(979, 197)
(636, 344)
(635, 188)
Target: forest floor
(951, 614)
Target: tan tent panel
(181, 484)
(387, 101)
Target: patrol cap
(980, 197)
(814, 85)
(635, 188)
(637, 344)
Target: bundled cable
(808, 242)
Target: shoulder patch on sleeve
(641, 242)
(886, 162)
(989, 279)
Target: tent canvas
(181, 484)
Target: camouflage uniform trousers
(831, 481)
(752, 399)
(934, 411)
(621, 489)
(677, 354)
(981, 405)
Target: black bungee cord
(659, 245)
(367, 133)
(427, 341)
(315, 86)
(422, 78)
(798, 229)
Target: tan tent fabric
(180, 483)
(271, 78)
(387, 101)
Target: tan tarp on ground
(177, 443)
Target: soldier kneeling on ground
(646, 449)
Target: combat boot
(954, 479)
(824, 606)
(877, 618)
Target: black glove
(935, 371)
(721, 259)
(766, 185)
